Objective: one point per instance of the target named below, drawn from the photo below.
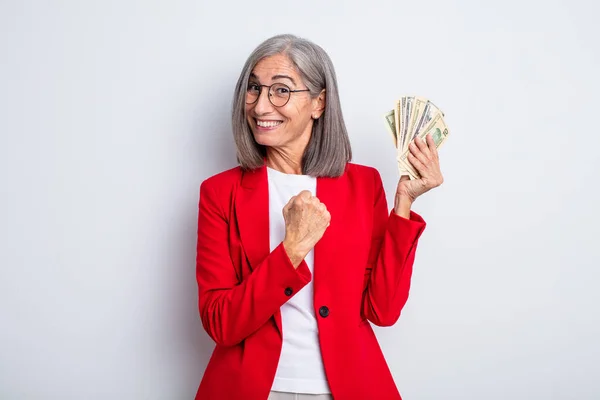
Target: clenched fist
(306, 220)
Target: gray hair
(329, 149)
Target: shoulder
(225, 178)
(222, 184)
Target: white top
(300, 368)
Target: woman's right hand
(306, 220)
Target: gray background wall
(113, 112)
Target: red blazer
(362, 271)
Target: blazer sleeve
(231, 310)
(387, 276)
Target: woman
(296, 249)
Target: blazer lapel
(330, 192)
(252, 213)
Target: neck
(288, 158)
(284, 162)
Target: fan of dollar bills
(414, 117)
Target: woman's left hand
(423, 156)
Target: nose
(263, 105)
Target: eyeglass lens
(279, 94)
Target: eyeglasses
(279, 94)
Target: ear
(318, 105)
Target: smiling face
(287, 128)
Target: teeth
(267, 124)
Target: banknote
(429, 112)
(418, 107)
(405, 112)
(390, 123)
(399, 122)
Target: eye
(253, 88)
(283, 90)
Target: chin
(264, 140)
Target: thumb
(403, 178)
(288, 205)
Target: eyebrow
(252, 75)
